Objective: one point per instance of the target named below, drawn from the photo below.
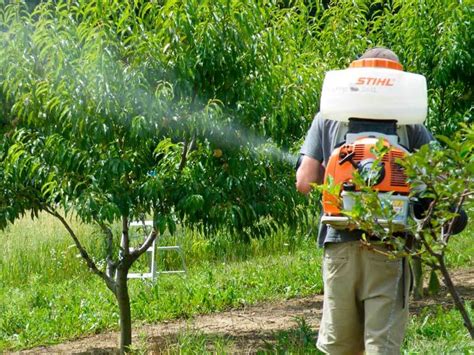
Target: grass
(46, 297)
(45, 290)
(434, 331)
(300, 339)
(48, 313)
(192, 342)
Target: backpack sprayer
(373, 99)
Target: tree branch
(458, 301)
(146, 244)
(428, 246)
(90, 263)
(425, 221)
(441, 106)
(125, 240)
(421, 226)
(186, 149)
(184, 155)
(111, 264)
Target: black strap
(359, 125)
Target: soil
(248, 328)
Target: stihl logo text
(375, 81)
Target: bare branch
(90, 263)
(428, 246)
(458, 301)
(192, 143)
(184, 155)
(421, 226)
(427, 218)
(146, 244)
(467, 193)
(125, 240)
(186, 149)
(111, 264)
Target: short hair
(380, 52)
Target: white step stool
(146, 227)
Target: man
(365, 292)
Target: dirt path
(248, 327)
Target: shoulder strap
(343, 128)
(340, 135)
(402, 134)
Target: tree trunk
(418, 280)
(123, 301)
(458, 301)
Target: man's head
(380, 52)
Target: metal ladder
(153, 251)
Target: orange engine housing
(341, 169)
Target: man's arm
(309, 172)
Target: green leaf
(470, 168)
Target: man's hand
(309, 172)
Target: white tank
(374, 93)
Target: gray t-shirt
(319, 143)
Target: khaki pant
(365, 301)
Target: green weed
(299, 340)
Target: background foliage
(226, 76)
(191, 110)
